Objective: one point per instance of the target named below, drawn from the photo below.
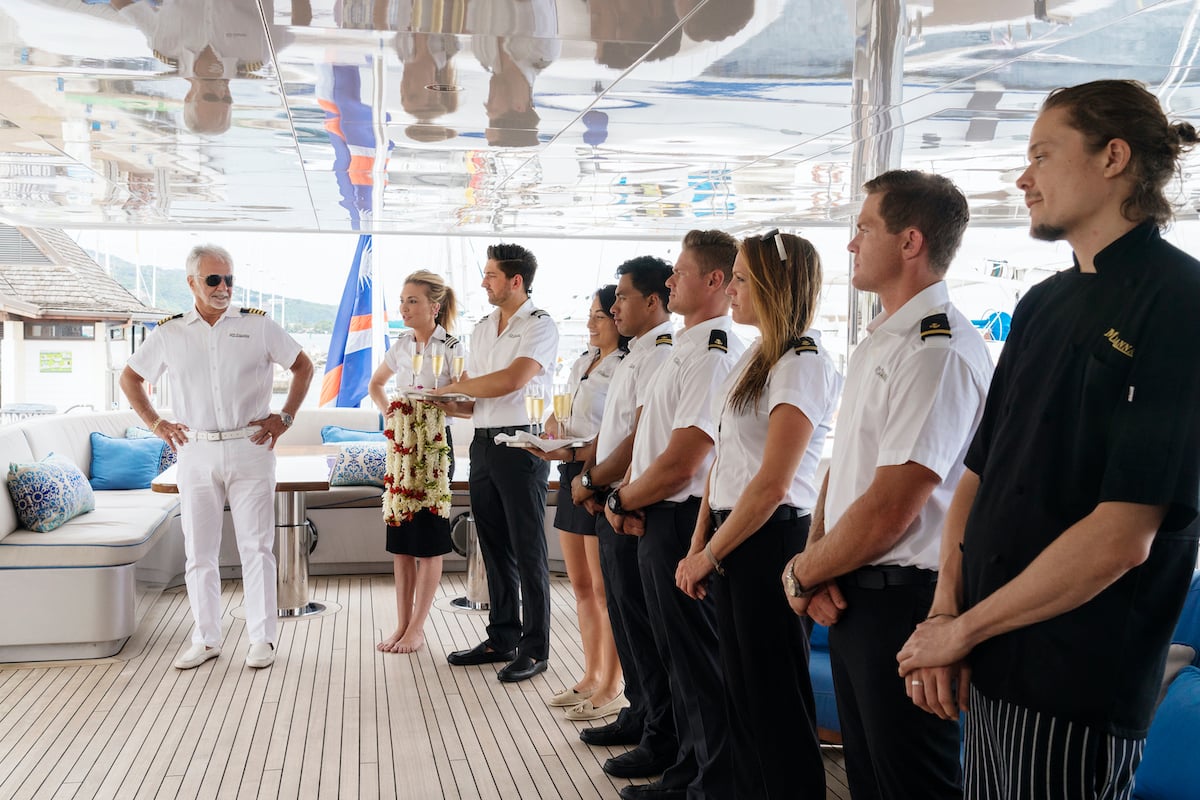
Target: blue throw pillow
(336, 434)
(125, 463)
(1169, 768)
(169, 456)
(49, 492)
(360, 464)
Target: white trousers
(244, 474)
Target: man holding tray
(512, 347)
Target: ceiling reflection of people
(514, 40)
(208, 42)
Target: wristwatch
(793, 585)
(585, 480)
(286, 418)
(614, 503)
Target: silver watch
(793, 585)
(286, 418)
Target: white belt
(221, 436)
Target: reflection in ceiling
(562, 118)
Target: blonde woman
(428, 308)
(775, 410)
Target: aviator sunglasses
(214, 280)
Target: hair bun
(1186, 133)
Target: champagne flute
(535, 404)
(458, 363)
(418, 360)
(437, 358)
(562, 409)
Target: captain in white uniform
(221, 361)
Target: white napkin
(526, 439)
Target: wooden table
(294, 475)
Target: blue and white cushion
(49, 492)
(360, 464)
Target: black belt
(663, 505)
(492, 433)
(883, 576)
(781, 514)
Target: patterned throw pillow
(361, 464)
(49, 492)
(169, 456)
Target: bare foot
(388, 645)
(410, 644)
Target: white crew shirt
(630, 386)
(805, 378)
(182, 30)
(221, 375)
(529, 334)
(399, 358)
(681, 396)
(589, 391)
(909, 398)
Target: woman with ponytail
(429, 310)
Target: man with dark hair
(640, 311)
(914, 393)
(513, 346)
(1071, 541)
(659, 501)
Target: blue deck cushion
(360, 464)
(125, 463)
(169, 456)
(336, 434)
(49, 492)
(1170, 769)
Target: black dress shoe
(652, 791)
(611, 735)
(521, 668)
(638, 763)
(480, 654)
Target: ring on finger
(918, 683)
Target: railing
(19, 411)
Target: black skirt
(568, 516)
(424, 536)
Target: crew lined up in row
(1016, 546)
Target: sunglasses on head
(215, 280)
(774, 234)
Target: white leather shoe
(261, 655)
(196, 655)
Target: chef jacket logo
(239, 336)
(883, 376)
(1120, 345)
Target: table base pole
(307, 610)
(468, 604)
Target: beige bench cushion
(120, 531)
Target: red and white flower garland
(418, 462)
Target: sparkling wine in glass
(535, 404)
(457, 364)
(562, 409)
(418, 360)
(437, 358)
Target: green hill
(300, 316)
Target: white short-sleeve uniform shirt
(681, 395)
(629, 387)
(913, 393)
(221, 375)
(399, 358)
(529, 334)
(805, 378)
(589, 391)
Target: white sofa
(79, 591)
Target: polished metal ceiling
(564, 118)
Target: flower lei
(418, 462)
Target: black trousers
(508, 501)
(893, 749)
(646, 685)
(764, 659)
(685, 631)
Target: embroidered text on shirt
(1120, 345)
